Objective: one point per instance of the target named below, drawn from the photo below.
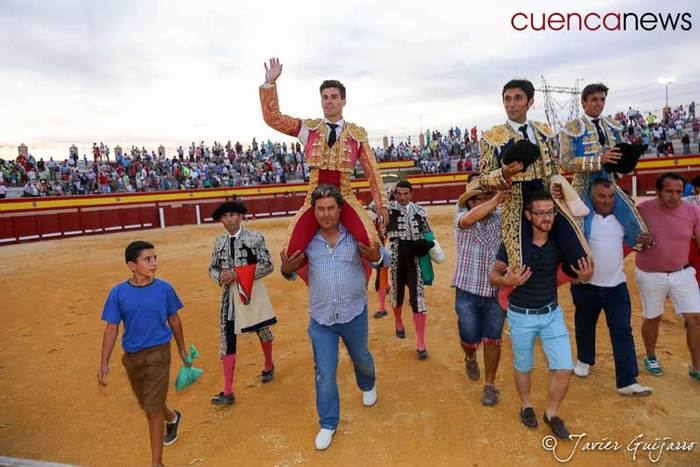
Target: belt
(534, 311)
(684, 267)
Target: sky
(149, 72)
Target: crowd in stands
(230, 165)
(138, 170)
(657, 132)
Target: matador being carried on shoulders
(520, 156)
(591, 148)
(332, 148)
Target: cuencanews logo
(593, 21)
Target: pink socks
(399, 321)
(381, 293)
(419, 321)
(229, 362)
(267, 351)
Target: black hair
(527, 87)
(333, 83)
(404, 184)
(667, 176)
(592, 89)
(326, 191)
(539, 195)
(601, 181)
(134, 249)
(696, 181)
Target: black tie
(601, 135)
(523, 130)
(331, 137)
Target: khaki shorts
(149, 375)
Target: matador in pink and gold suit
(331, 160)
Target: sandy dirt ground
(428, 413)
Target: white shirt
(530, 131)
(303, 135)
(606, 239)
(234, 236)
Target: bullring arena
(428, 413)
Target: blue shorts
(551, 329)
(479, 318)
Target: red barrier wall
(56, 223)
(38, 224)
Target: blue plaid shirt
(337, 281)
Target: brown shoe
(472, 368)
(557, 426)
(490, 395)
(528, 417)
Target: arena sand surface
(428, 413)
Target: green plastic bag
(188, 374)
(426, 265)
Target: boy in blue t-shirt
(148, 307)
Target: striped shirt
(541, 288)
(476, 252)
(337, 281)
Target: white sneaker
(635, 389)
(369, 398)
(581, 369)
(324, 438)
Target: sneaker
(401, 333)
(695, 374)
(652, 366)
(472, 367)
(380, 314)
(422, 354)
(171, 429)
(635, 389)
(324, 438)
(582, 369)
(223, 399)
(369, 398)
(267, 376)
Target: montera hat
(229, 206)
(522, 151)
(630, 156)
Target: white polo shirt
(606, 240)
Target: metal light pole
(666, 82)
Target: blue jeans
(324, 340)
(589, 300)
(479, 318)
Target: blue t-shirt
(144, 310)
